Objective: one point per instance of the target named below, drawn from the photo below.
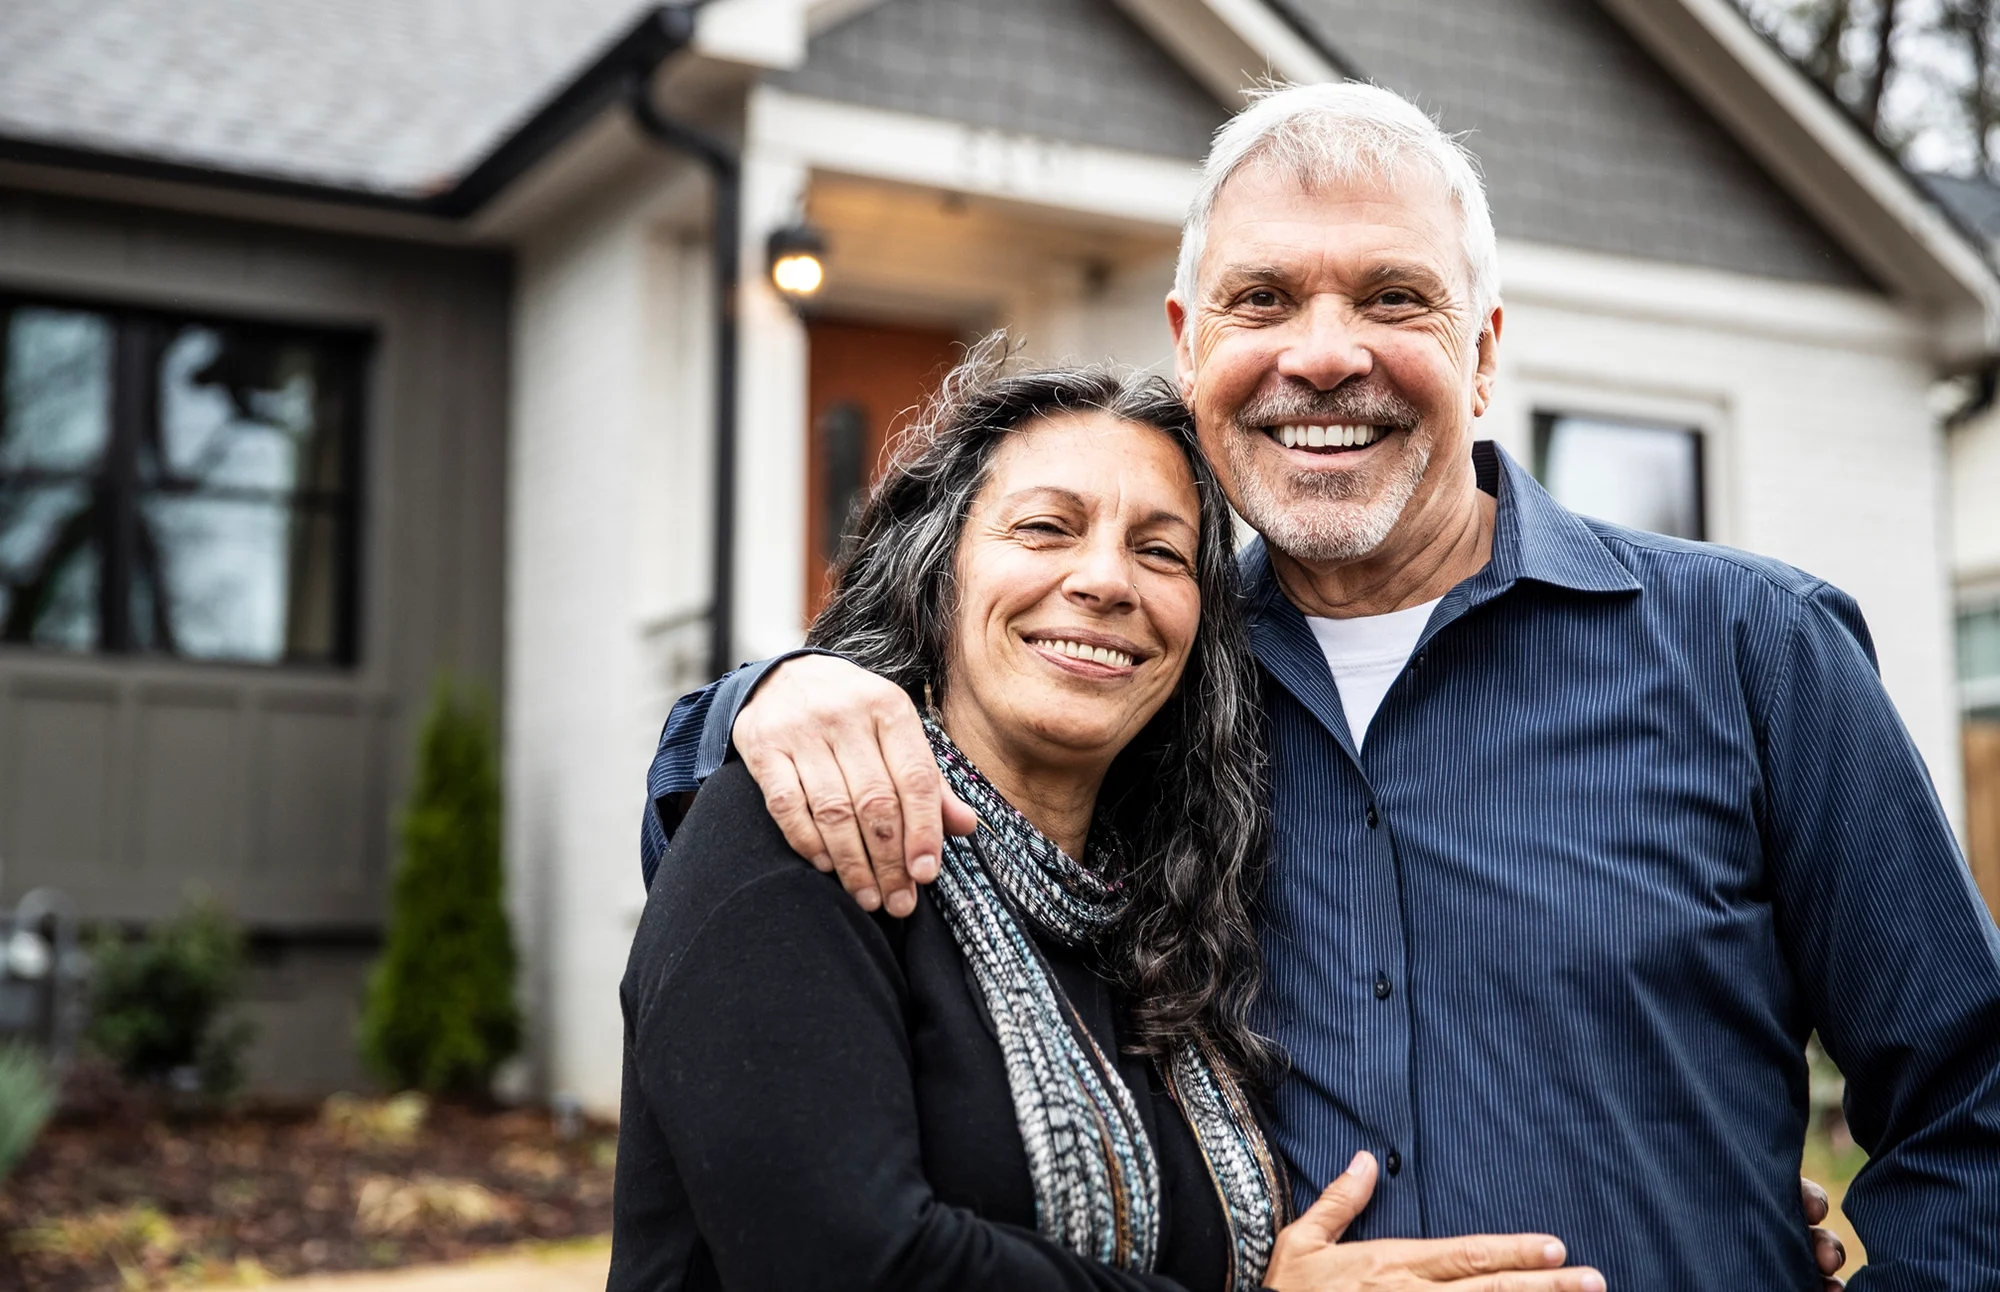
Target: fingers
(959, 819)
(832, 810)
(912, 856)
(1829, 1253)
(1580, 1278)
(1341, 1201)
(1448, 1259)
(785, 799)
(1813, 1200)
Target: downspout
(725, 169)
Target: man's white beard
(1322, 522)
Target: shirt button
(1373, 820)
(1394, 1162)
(1382, 986)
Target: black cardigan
(814, 1096)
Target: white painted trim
(903, 148)
(1231, 46)
(1825, 160)
(1708, 298)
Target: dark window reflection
(843, 432)
(178, 486)
(1636, 474)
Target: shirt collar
(1534, 537)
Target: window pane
(55, 424)
(243, 543)
(1979, 646)
(58, 391)
(1645, 477)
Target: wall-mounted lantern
(797, 258)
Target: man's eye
(1396, 296)
(1261, 299)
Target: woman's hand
(1310, 1257)
(1829, 1253)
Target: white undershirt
(1366, 655)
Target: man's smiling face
(1333, 353)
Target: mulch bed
(129, 1201)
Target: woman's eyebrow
(1036, 492)
(1164, 516)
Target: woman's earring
(930, 709)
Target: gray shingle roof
(1974, 203)
(390, 96)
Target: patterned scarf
(1097, 1184)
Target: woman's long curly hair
(1186, 796)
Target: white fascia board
(767, 33)
(904, 148)
(1822, 157)
(1231, 46)
(1537, 273)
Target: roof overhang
(1234, 46)
(639, 51)
(1847, 181)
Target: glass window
(1638, 474)
(1979, 660)
(178, 486)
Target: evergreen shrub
(440, 1013)
(161, 1006)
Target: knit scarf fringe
(1096, 1180)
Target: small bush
(160, 1006)
(26, 1098)
(440, 1013)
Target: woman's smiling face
(1077, 603)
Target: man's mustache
(1363, 405)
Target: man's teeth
(1102, 654)
(1327, 437)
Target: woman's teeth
(1326, 437)
(1102, 654)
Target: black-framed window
(178, 485)
(1645, 475)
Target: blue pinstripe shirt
(1635, 819)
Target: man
(1578, 832)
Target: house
(351, 341)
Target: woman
(1041, 1078)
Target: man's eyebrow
(1231, 276)
(1405, 273)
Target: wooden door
(1982, 808)
(864, 384)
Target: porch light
(797, 255)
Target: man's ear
(1177, 323)
(1488, 369)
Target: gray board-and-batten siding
(131, 782)
(1585, 140)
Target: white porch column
(771, 427)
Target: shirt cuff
(731, 694)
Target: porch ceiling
(909, 252)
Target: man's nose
(1325, 348)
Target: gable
(1585, 140)
(1078, 70)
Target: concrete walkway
(568, 1268)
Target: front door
(865, 382)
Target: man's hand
(849, 777)
(1829, 1253)
(1310, 1257)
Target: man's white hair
(1334, 133)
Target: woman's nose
(1102, 576)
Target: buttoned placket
(1285, 646)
